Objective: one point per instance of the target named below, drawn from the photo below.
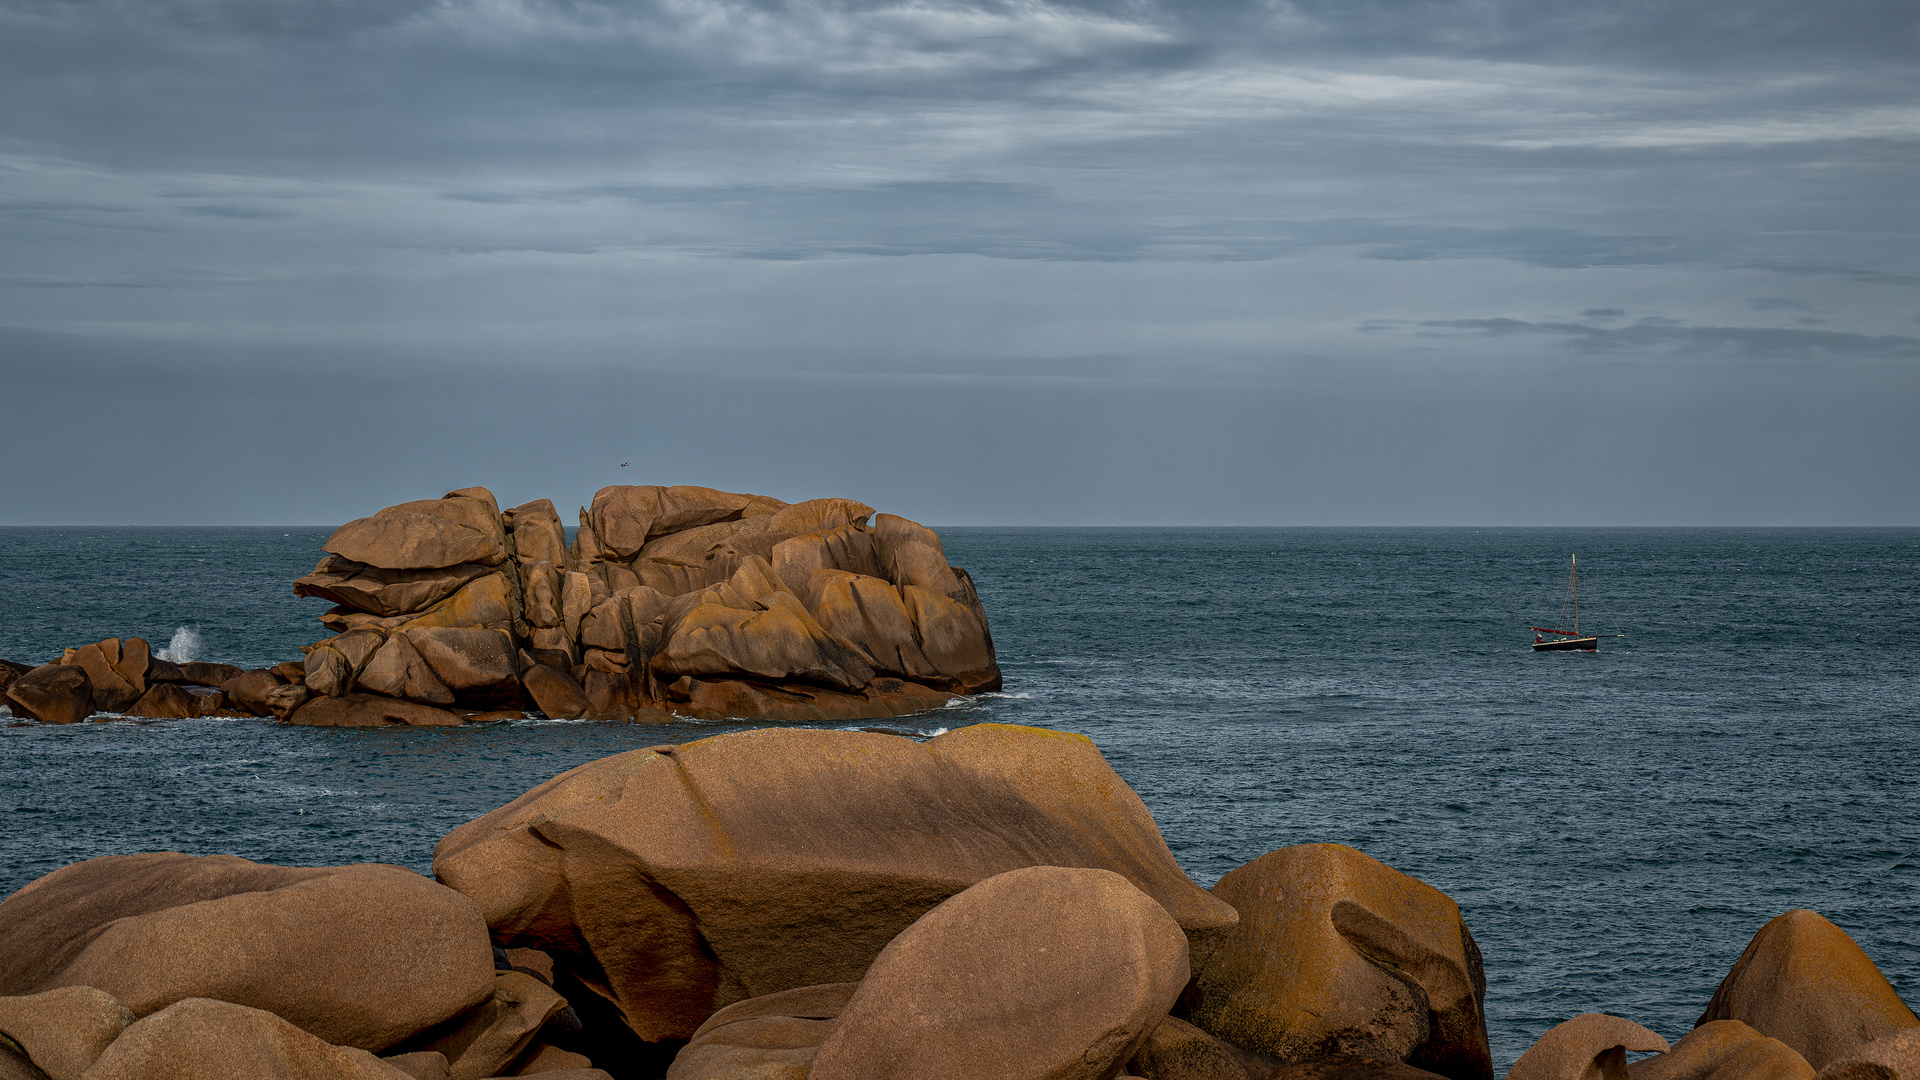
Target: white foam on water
(183, 647)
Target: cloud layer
(1016, 201)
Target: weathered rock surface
(773, 1037)
(370, 710)
(362, 955)
(112, 690)
(1803, 981)
(1040, 973)
(165, 701)
(52, 694)
(1591, 1046)
(1890, 1057)
(379, 591)
(201, 673)
(1339, 954)
(1176, 1050)
(63, 1031)
(427, 535)
(491, 1039)
(687, 878)
(1724, 1050)
(556, 693)
(202, 1039)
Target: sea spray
(183, 647)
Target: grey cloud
(1656, 332)
(1070, 253)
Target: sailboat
(1568, 639)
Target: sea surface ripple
(1615, 826)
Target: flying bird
(624, 464)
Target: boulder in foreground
(1803, 981)
(363, 955)
(685, 878)
(1591, 1046)
(1338, 954)
(1041, 973)
(1724, 1050)
(202, 1039)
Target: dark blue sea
(1614, 825)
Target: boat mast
(1573, 582)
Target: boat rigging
(1569, 639)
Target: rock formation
(1336, 953)
(684, 878)
(831, 905)
(684, 599)
(669, 601)
(1803, 981)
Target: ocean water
(1615, 826)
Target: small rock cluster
(115, 676)
(669, 601)
(833, 905)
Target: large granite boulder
(115, 670)
(1803, 981)
(624, 517)
(1591, 1046)
(751, 627)
(52, 694)
(681, 879)
(384, 592)
(1040, 973)
(1338, 954)
(363, 955)
(538, 535)
(432, 534)
(202, 1039)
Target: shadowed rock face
(1724, 1050)
(681, 879)
(1803, 981)
(1338, 954)
(358, 955)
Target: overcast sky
(1209, 262)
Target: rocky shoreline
(783, 904)
(669, 602)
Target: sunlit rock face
(681, 600)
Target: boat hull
(1582, 644)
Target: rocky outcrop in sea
(794, 904)
(669, 601)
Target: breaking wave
(183, 647)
